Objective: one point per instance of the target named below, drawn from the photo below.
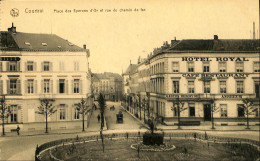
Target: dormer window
(27, 43)
(70, 44)
(59, 47)
(44, 44)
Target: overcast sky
(115, 38)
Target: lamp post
(3, 113)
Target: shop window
(191, 109)
(240, 111)
(223, 110)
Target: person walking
(18, 130)
(98, 117)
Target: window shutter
(42, 86)
(66, 87)
(8, 86)
(1, 86)
(58, 86)
(34, 66)
(25, 66)
(80, 86)
(18, 66)
(7, 67)
(42, 66)
(51, 86)
(18, 86)
(72, 86)
(25, 86)
(51, 67)
(35, 87)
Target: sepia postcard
(129, 80)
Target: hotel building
(37, 66)
(197, 72)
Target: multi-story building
(109, 84)
(37, 66)
(201, 74)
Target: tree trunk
(83, 119)
(212, 120)
(3, 126)
(179, 126)
(247, 120)
(46, 115)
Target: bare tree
(46, 109)
(83, 108)
(213, 110)
(4, 112)
(249, 108)
(180, 108)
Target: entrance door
(207, 112)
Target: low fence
(190, 135)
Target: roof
(108, 75)
(229, 45)
(131, 69)
(35, 42)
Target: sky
(114, 38)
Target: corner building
(196, 72)
(36, 66)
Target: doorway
(207, 112)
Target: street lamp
(3, 113)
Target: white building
(37, 66)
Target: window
(46, 66)
(30, 86)
(46, 86)
(61, 86)
(223, 110)
(257, 89)
(239, 66)
(190, 86)
(76, 114)
(190, 66)
(12, 66)
(240, 111)
(205, 67)
(62, 112)
(176, 87)
(13, 86)
(29, 66)
(191, 109)
(13, 114)
(257, 66)
(222, 66)
(207, 87)
(175, 66)
(223, 87)
(76, 86)
(240, 87)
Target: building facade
(38, 66)
(201, 74)
(109, 84)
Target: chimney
(253, 30)
(215, 37)
(175, 38)
(12, 29)
(84, 46)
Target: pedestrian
(98, 117)
(95, 107)
(18, 130)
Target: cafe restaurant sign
(182, 96)
(9, 58)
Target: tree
(83, 108)
(213, 109)
(248, 106)
(102, 105)
(46, 109)
(4, 112)
(180, 107)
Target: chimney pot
(84, 46)
(215, 37)
(175, 38)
